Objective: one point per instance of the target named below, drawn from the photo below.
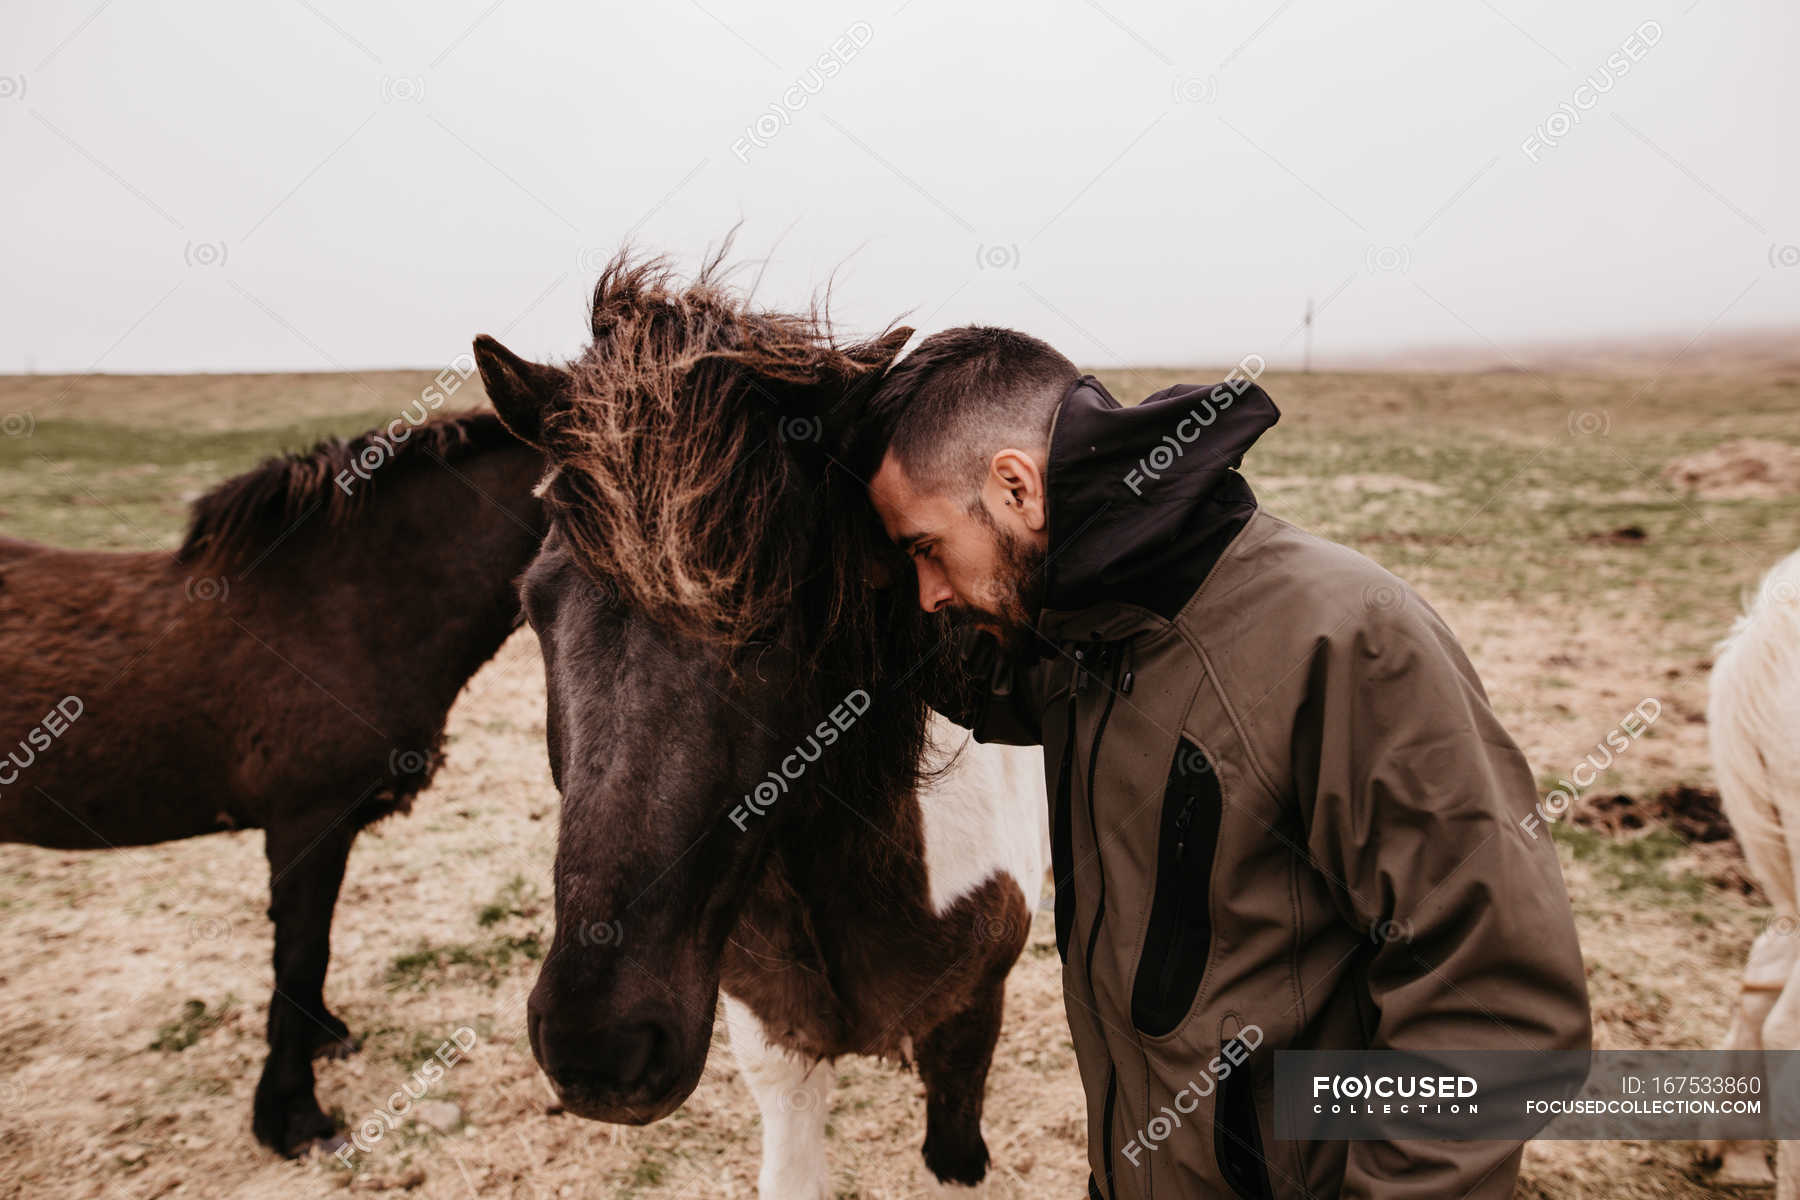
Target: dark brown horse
(289, 668)
(738, 725)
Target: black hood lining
(1142, 501)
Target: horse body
(936, 906)
(1754, 732)
(276, 673)
(881, 901)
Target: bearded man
(1284, 815)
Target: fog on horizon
(318, 185)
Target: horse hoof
(322, 1146)
(1734, 1165)
(294, 1133)
(302, 1146)
(327, 1142)
(1746, 1172)
(957, 1164)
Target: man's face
(984, 569)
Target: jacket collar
(1143, 500)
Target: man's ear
(524, 393)
(1017, 482)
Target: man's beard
(1012, 604)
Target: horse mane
(698, 476)
(695, 448)
(243, 516)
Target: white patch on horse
(986, 813)
(793, 1094)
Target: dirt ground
(134, 984)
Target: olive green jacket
(1284, 815)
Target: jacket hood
(1142, 500)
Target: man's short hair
(962, 396)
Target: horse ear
(881, 352)
(524, 393)
(843, 411)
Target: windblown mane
(694, 464)
(243, 516)
(699, 477)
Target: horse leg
(1765, 977)
(1781, 1031)
(326, 1035)
(953, 1063)
(306, 868)
(1772, 959)
(792, 1093)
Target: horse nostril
(634, 1051)
(619, 1059)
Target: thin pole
(1309, 331)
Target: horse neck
(435, 556)
(855, 831)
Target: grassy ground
(133, 984)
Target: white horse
(1754, 720)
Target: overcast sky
(315, 184)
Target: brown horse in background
(289, 668)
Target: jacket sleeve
(1000, 699)
(1418, 802)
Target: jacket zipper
(1183, 819)
(1062, 854)
(1114, 660)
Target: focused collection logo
(1402, 1094)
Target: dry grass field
(1531, 510)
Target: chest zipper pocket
(1179, 937)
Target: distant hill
(1759, 351)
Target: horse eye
(532, 598)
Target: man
(1283, 812)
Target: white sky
(1137, 182)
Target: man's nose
(934, 590)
